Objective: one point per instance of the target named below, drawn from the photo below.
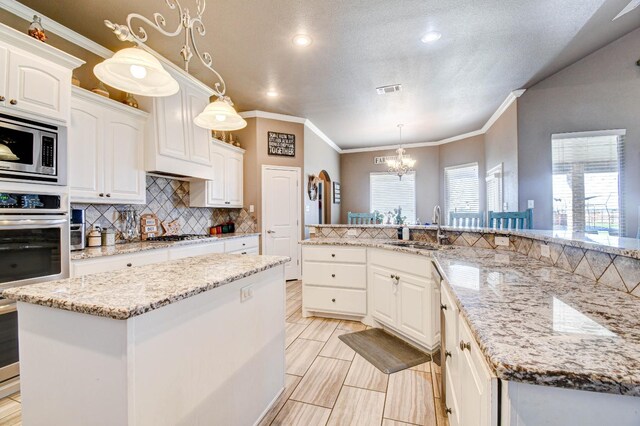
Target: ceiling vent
(384, 90)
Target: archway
(324, 197)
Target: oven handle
(32, 223)
(8, 308)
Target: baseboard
(269, 407)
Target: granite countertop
(127, 293)
(620, 246)
(538, 324)
(128, 248)
(413, 247)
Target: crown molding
(496, 115)
(54, 27)
(322, 136)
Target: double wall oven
(34, 247)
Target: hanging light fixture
(137, 71)
(402, 164)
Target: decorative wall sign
(336, 192)
(281, 144)
(383, 160)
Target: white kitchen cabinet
(384, 289)
(173, 143)
(105, 151)
(35, 78)
(242, 245)
(198, 249)
(224, 189)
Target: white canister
(94, 239)
(108, 237)
(406, 234)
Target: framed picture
(336, 192)
(281, 144)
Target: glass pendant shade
(136, 71)
(219, 115)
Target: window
(587, 171)
(387, 192)
(461, 189)
(494, 189)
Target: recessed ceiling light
(431, 36)
(302, 40)
(272, 93)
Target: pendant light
(137, 71)
(402, 164)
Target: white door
(233, 179)
(85, 144)
(124, 173)
(384, 295)
(281, 215)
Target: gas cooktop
(181, 237)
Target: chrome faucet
(440, 236)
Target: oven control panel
(29, 201)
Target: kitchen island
(192, 341)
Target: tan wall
(356, 167)
(501, 146)
(85, 72)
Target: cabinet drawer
(335, 254)
(412, 264)
(253, 251)
(195, 250)
(334, 300)
(114, 263)
(335, 274)
(240, 244)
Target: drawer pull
(129, 265)
(333, 255)
(464, 346)
(333, 300)
(333, 275)
(443, 307)
(2, 98)
(108, 195)
(13, 102)
(101, 195)
(447, 354)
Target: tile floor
(327, 383)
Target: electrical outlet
(530, 204)
(502, 241)
(352, 233)
(246, 293)
(545, 251)
(252, 209)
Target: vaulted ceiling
(488, 48)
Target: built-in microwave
(31, 151)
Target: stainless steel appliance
(77, 231)
(34, 247)
(32, 151)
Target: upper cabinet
(224, 189)
(35, 78)
(105, 143)
(173, 143)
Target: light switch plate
(352, 233)
(545, 251)
(252, 209)
(246, 293)
(502, 241)
(530, 204)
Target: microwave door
(20, 148)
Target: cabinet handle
(464, 346)
(447, 354)
(13, 102)
(443, 307)
(108, 195)
(243, 244)
(392, 276)
(2, 98)
(333, 275)
(244, 252)
(101, 195)
(333, 255)
(448, 410)
(333, 300)
(129, 265)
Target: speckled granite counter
(128, 248)
(538, 324)
(413, 247)
(128, 293)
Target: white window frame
(415, 191)
(496, 173)
(446, 187)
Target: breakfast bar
(189, 341)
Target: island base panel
(208, 359)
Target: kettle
(94, 238)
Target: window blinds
(387, 192)
(587, 182)
(494, 189)
(462, 190)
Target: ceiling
(488, 48)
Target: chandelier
(137, 71)
(402, 164)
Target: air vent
(383, 90)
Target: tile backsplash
(169, 200)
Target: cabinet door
(124, 172)
(383, 295)
(414, 312)
(233, 179)
(216, 187)
(4, 63)
(85, 146)
(475, 383)
(171, 132)
(199, 138)
(38, 86)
